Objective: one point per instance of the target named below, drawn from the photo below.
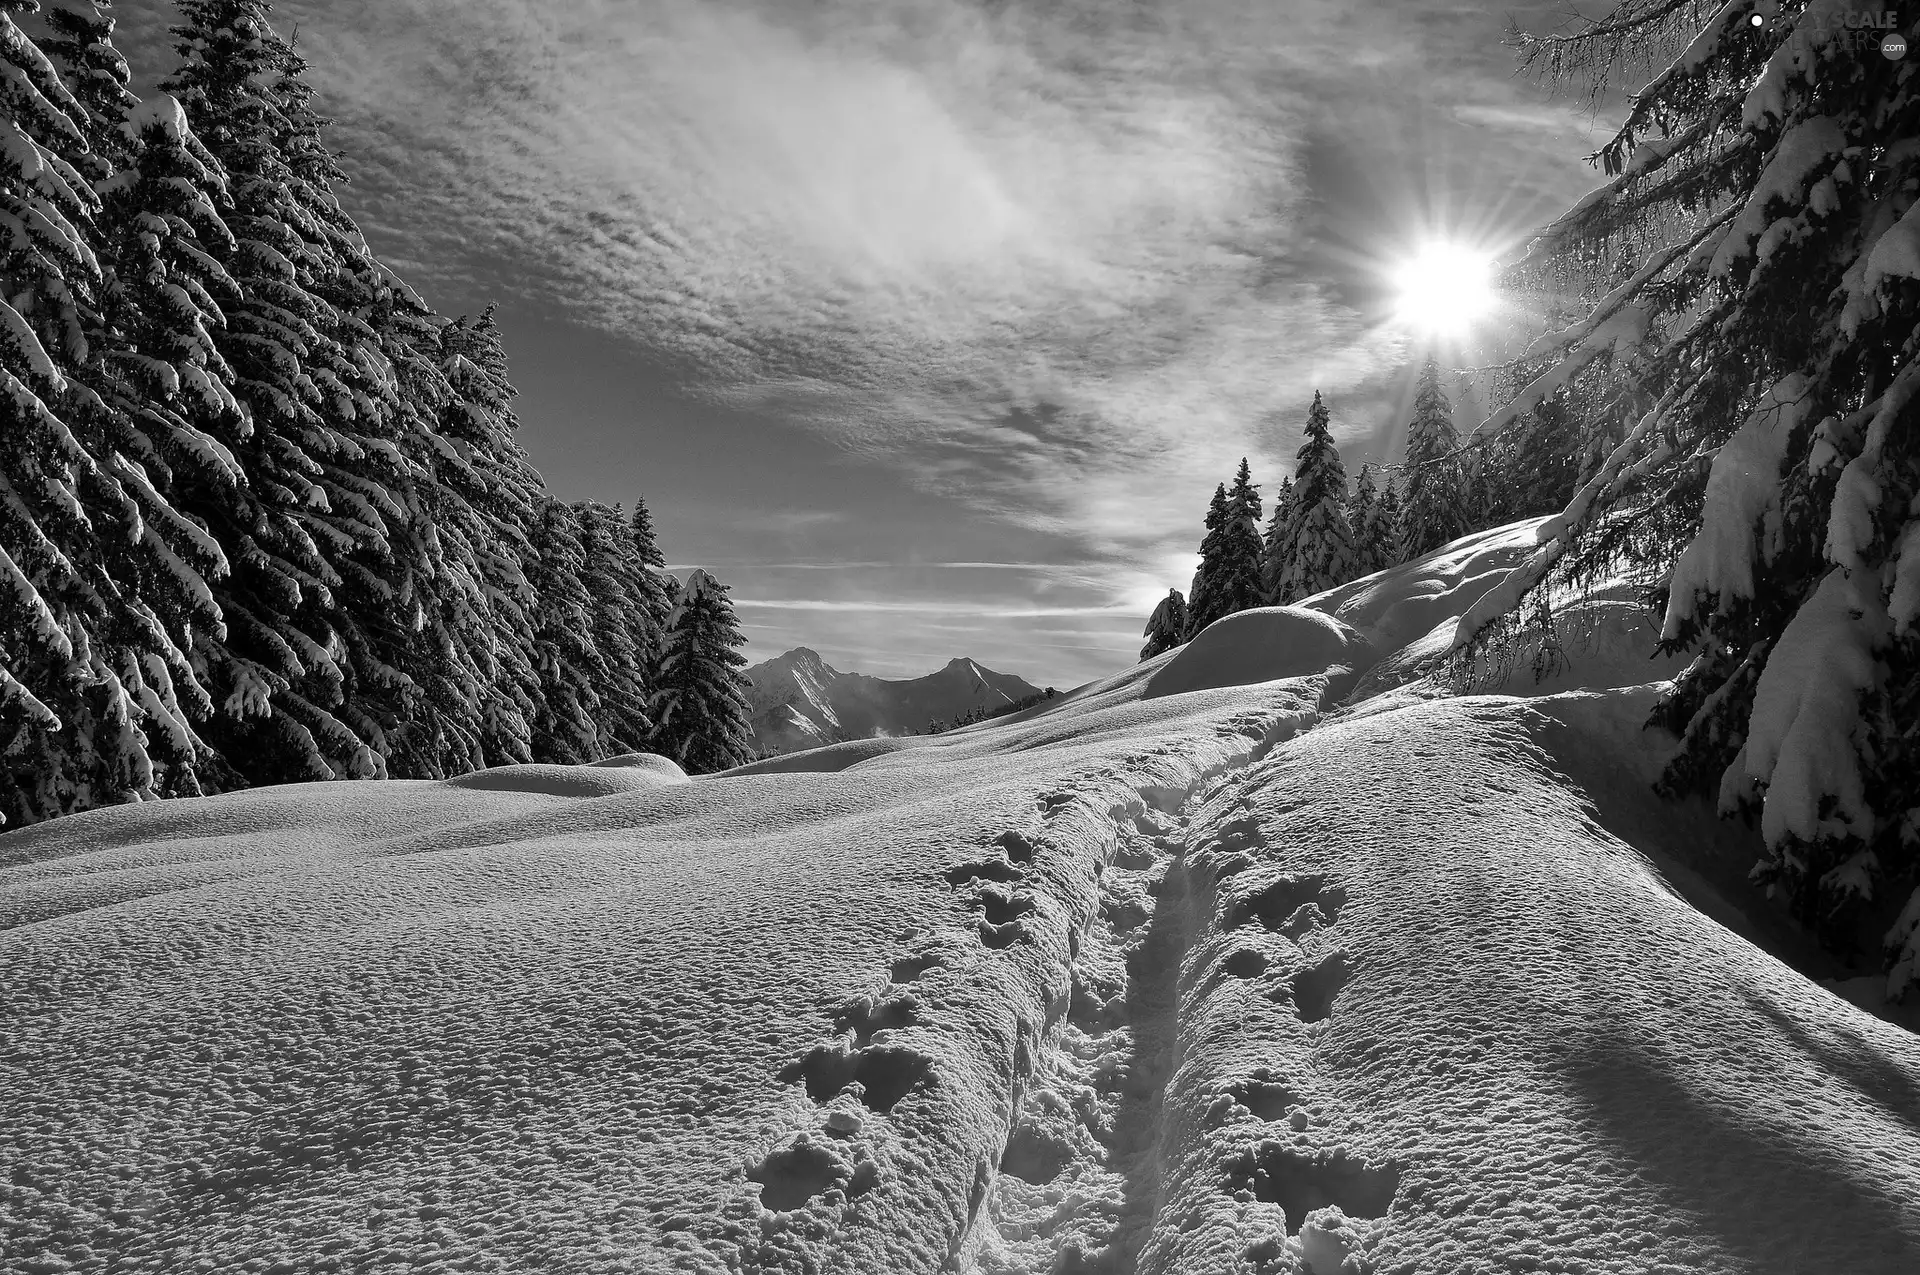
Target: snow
(1897, 252)
(1227, 962)
(162, 111)
(1805, 709)
(1742, 487)
(1802, 151)
(629, 772)
(1261, 645)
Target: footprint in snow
(1292, 906)
(883, 1074)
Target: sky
(929, 326)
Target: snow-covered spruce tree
(1276, 547)
(570, 668)
(1201, 608)
(1212, 552)
(100, 580)
(1370, 552)
(659, 584)
(1167, 626)
(161, 377)
(1753, 268)
(1229, 579)
(1384, 530)
(701, 717)
(1240, 581)
(497, 497)
(463, 660)
(622, 590)
(644, 540)
(1433, 501)
(314, 510)
(80, 45)
(1322, 538)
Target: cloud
(1040, 567)
(1064, 260)
(1558, 119)
(1038, 255)
(973, 609)
(790, 521)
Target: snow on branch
(1743, 486)
(1800, 741)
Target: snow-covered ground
(1262, 956)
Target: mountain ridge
(800, 701)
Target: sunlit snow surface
(1155, 980)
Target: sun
(1443, 289)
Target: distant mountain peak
(800, 701)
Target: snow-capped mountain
(799, 701)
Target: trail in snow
(1079, 1180)
(1037, 1042)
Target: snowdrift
(1261, 645)
(1318, 973)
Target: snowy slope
(799, 701)
(1149, 980)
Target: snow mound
(666, 768)
(1401, 604)
(630, 772)
(1261, 645)
(829, 758)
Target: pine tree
(481, 500)
(1372, 543)
(623, 632)
(570, 668)
(1230, 555)
(1207, 596)
(1384, 529)
(1432, 500)
(264, 516)
(101, 580)
(643, 537)
(1276, 550)
(658, 584)
(460, 675)
(80, 45)
(1241, 584)
(1167, 627)
(1322, 553)
(309, 533)
(700, 706)
(1753, 274)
